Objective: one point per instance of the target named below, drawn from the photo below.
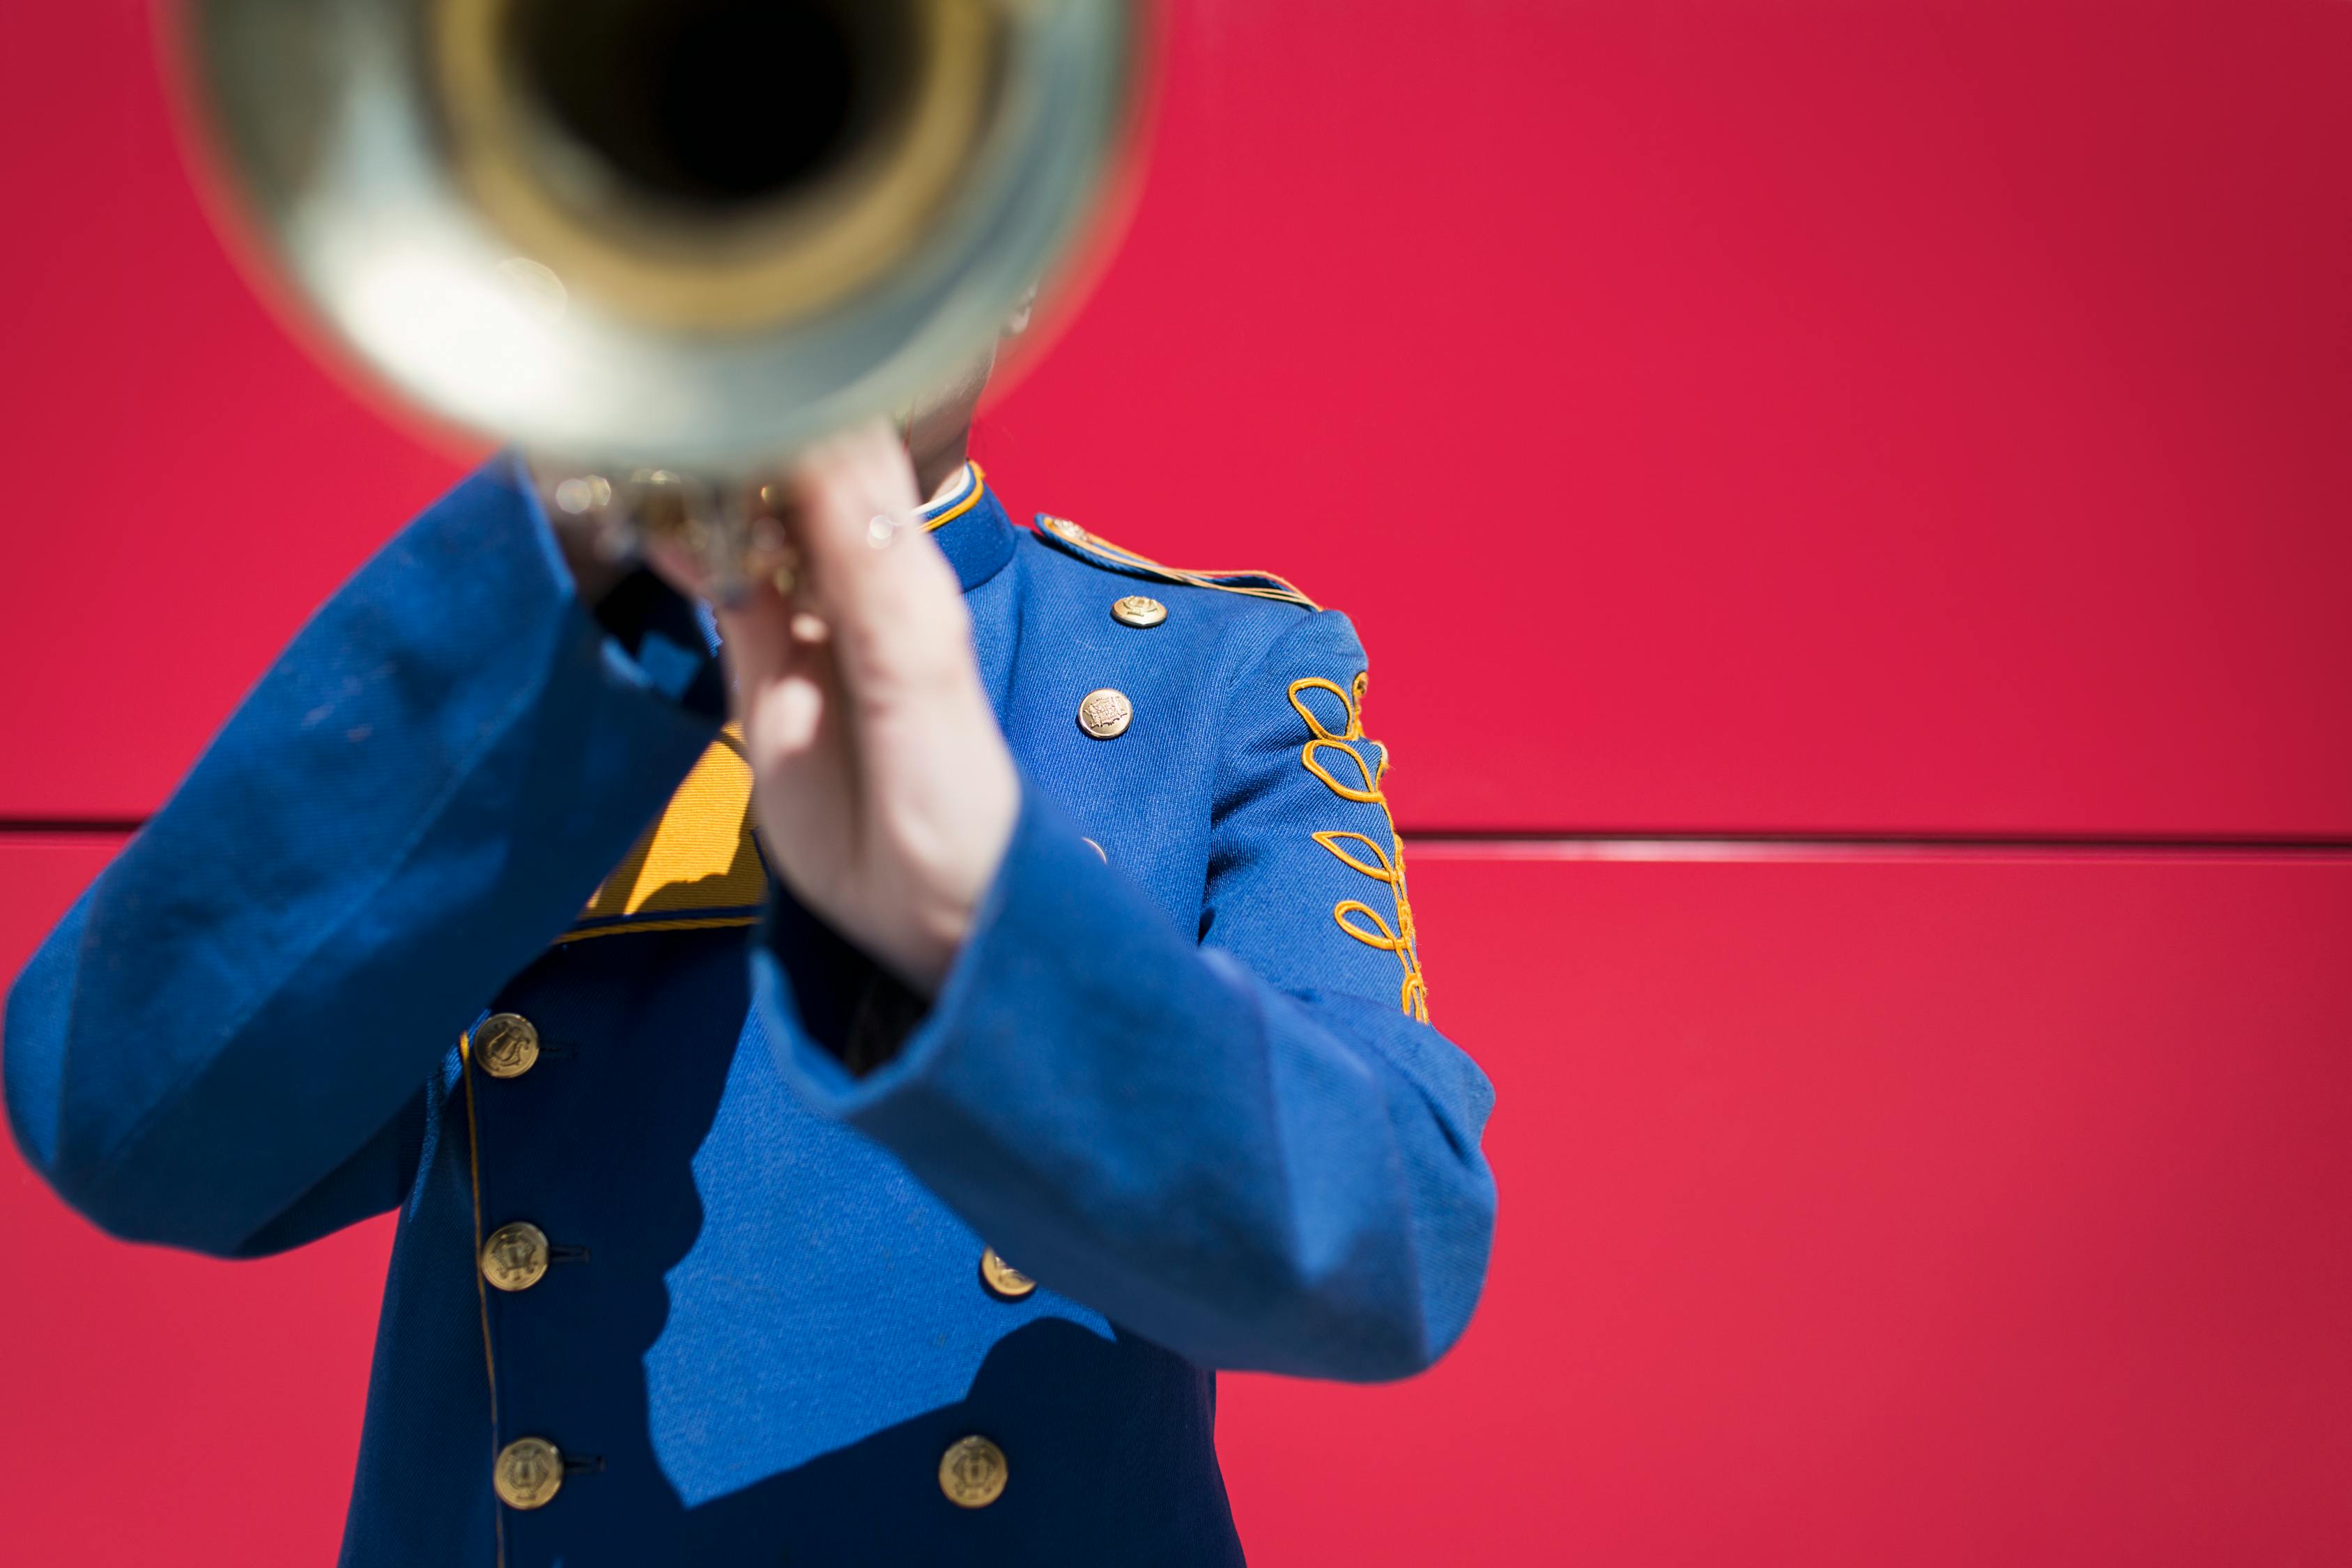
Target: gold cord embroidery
(1357, 919)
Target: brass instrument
(665, 242)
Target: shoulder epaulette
(1077, 542)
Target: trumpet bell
(695, 233)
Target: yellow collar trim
(962, 500)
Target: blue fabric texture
(1179, 1075)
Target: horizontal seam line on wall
(1872, 839)
(1644, 843)
(1679, 844)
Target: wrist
(945, 917)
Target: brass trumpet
(666, 243)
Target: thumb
(894, 602)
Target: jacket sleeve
(1243, 1142)
(222, 1046)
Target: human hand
(885, 792)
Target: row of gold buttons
(528, 1471)
(516, 1255)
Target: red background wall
(1738, 428)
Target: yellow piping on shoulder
(1264, 584)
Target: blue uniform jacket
(682, 1266)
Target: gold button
(1004, 1282)
(1062, 528)
(972, 1472)
(529, 1473)
(1106, 714)
(1136, 610)
(506, 1044)
(515, 1258)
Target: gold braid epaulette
(1380, 865)
(1093, 547)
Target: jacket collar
(970, 527)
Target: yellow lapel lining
(698, 866)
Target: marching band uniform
(706, 1261)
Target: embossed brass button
(1004, 1282)
(530, 1472)
(1136, 610)
(1106, 714)
(1062, 528)
(506, 1044)
(972, 1472)
(515, 1258)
